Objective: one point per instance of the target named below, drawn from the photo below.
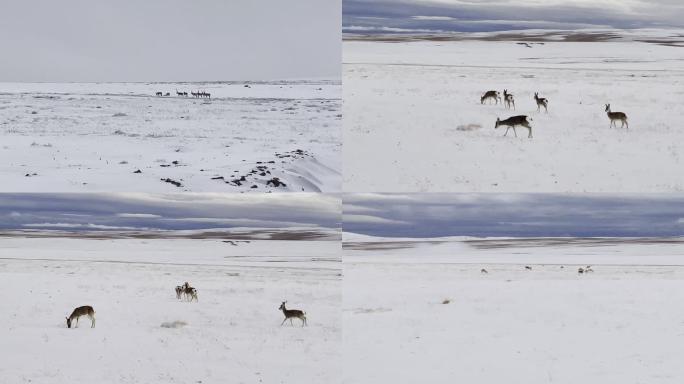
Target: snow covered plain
(412, 108)
(72, 137)
(622, 323)
(233, 333)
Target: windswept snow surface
(424, 311)
(74, 137)
(412, 108)
(145, 335)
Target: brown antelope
(158, 93)
(528, 267)
(508, 99)
(490, 95)
(580, 270)
(511, 122)
(179, 291)
(613, 116)
(292, 313)
(483, 271)
(86, 310)
(541, 102)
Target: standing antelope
(490, 95)
(292, 313)
(616, 116)
(158, 93)
(511, 122)
(541, 102)
(86, 310)
(179, 291)
(508, 100)
(192, 293)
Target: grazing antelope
(580, 270)
(528, 267)
(483, 271)
(292, 313)
(158, 94)
(616, 116)
(86, 310)
(541, 102)
(167, 94)
(588, 269)
(508, 99)
(490, 95)
(511, 122)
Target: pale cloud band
(513, 215)
(125, 211)
(420, 16)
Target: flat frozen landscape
(422, 311)
(232, 334)
(412, 108)
(255, 136)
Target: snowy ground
(232, 334)
(413, 110)
(622, 323)
(95, 137)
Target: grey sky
(514, 215)
(169, 40)
(121, 211)
(368, 16)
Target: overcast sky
(119, 211)
(513, 215)
(497, 15)
(169, 40)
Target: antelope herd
(187, 293)
(580, 270)
(521, 120)
(197, 95)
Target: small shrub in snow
(174, 324)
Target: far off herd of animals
(521, 120)
(198, 94)
(580, 270)
(187, 293)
